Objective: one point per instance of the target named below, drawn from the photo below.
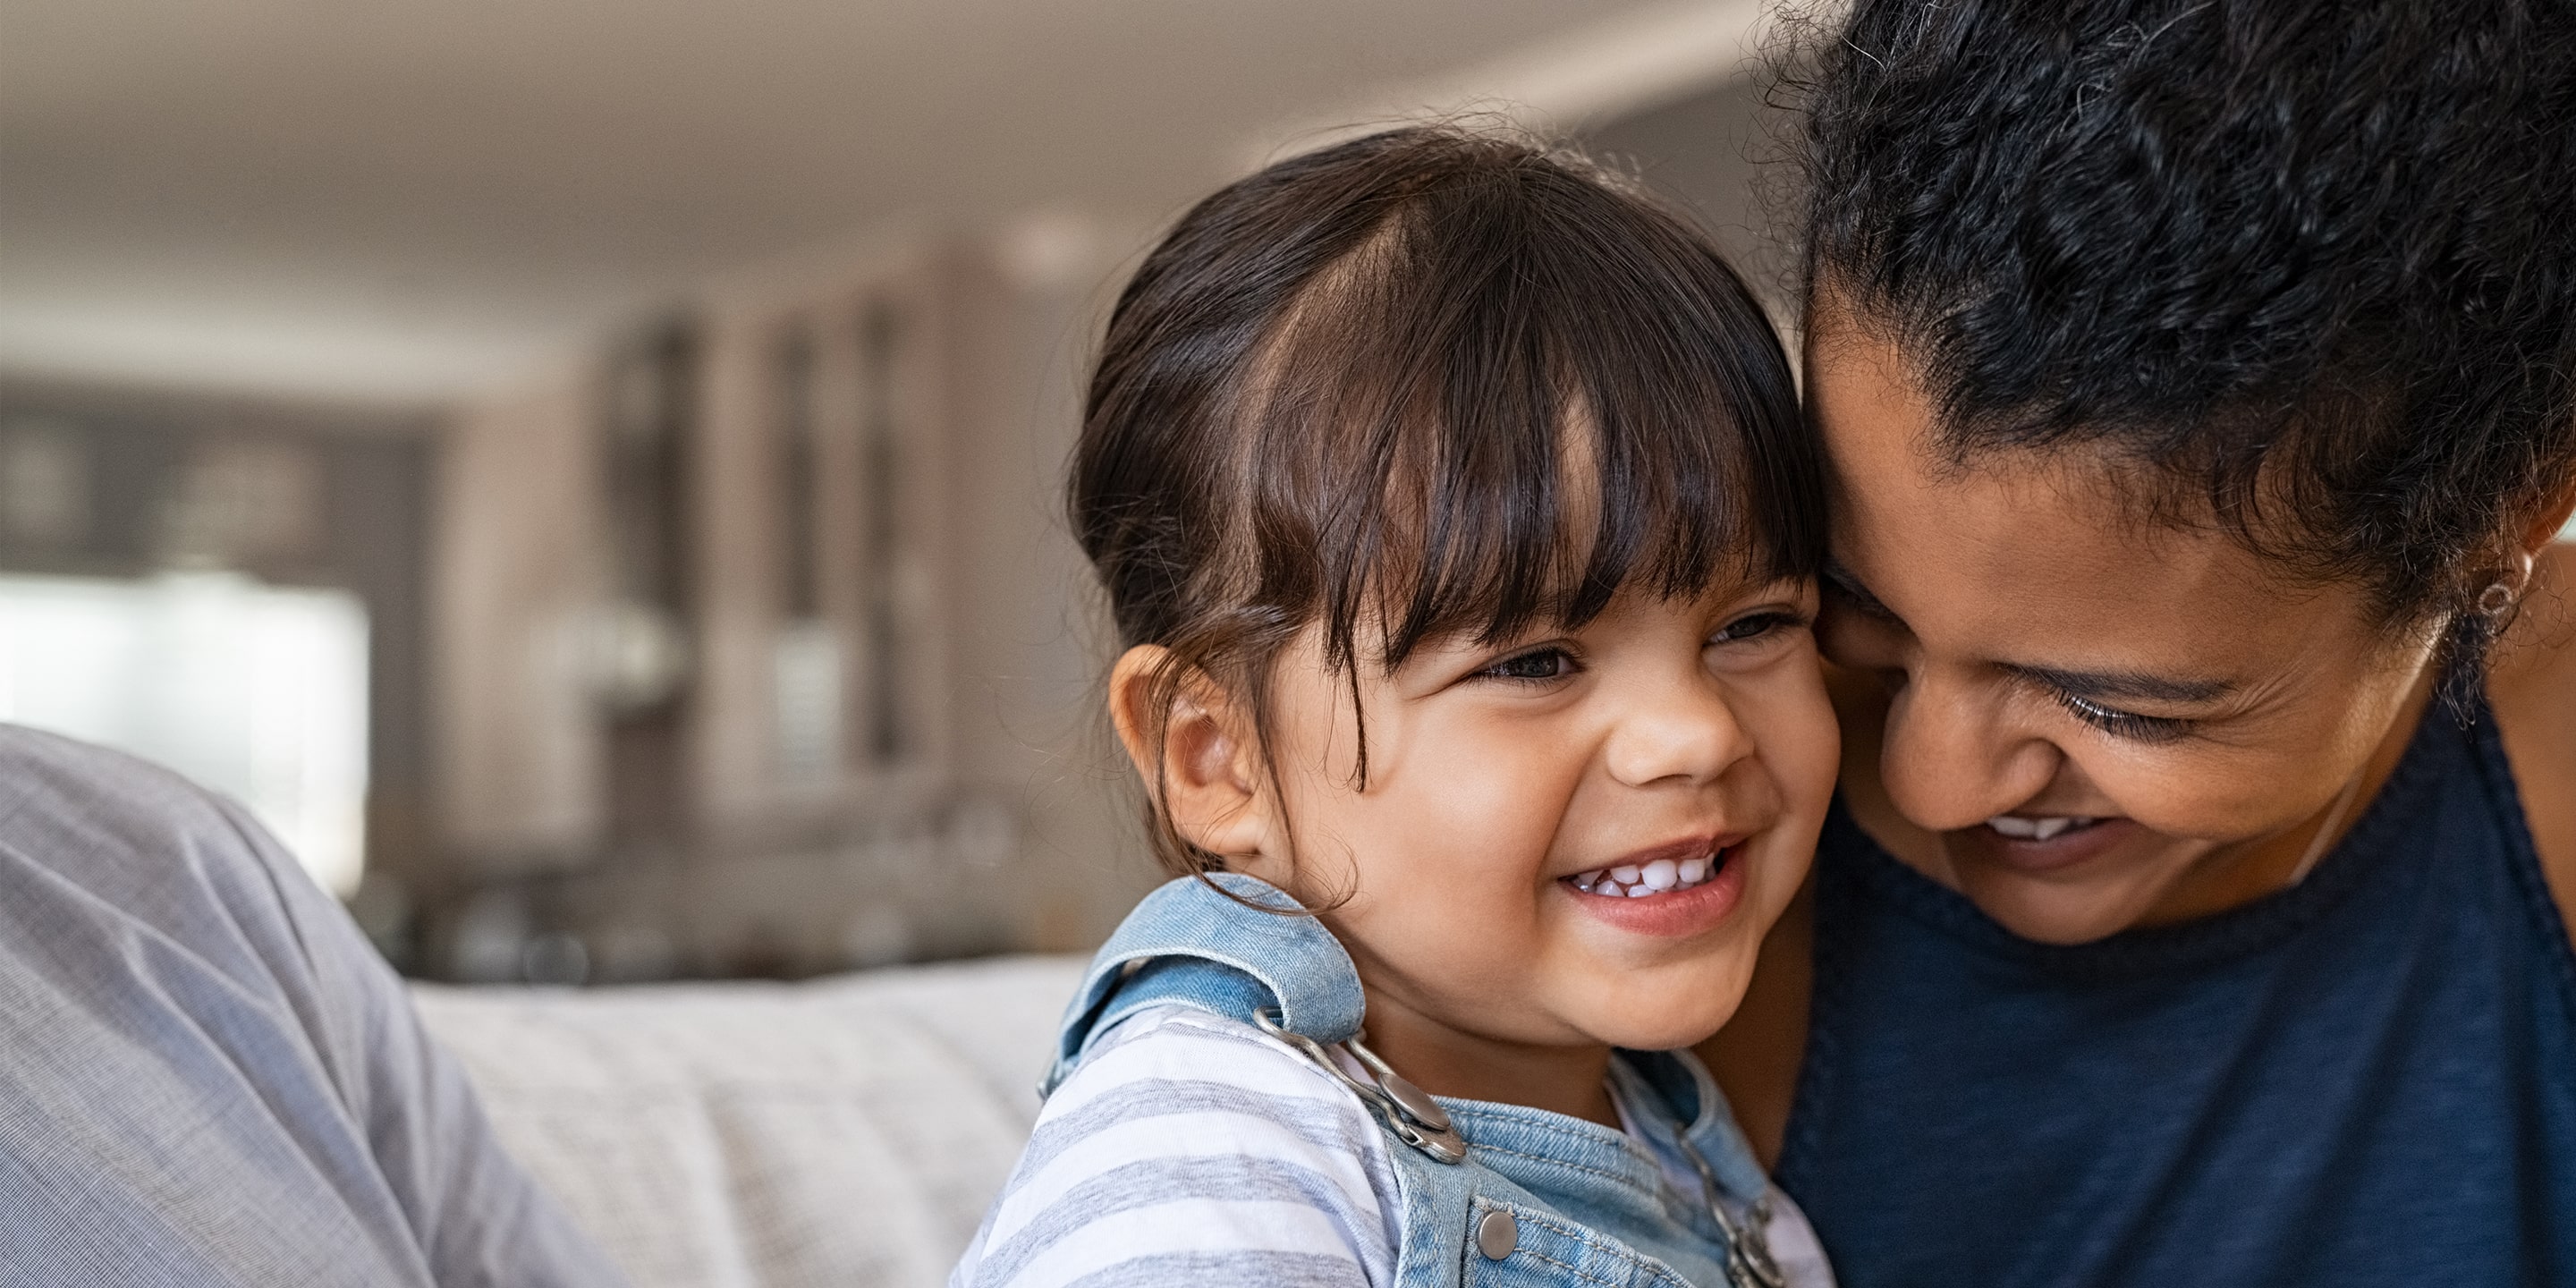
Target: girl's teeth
(1638, 880)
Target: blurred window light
(257, 691)
(805, 673)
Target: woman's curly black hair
(2303, 267)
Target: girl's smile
(1670, 890)
(1561, 844)
(1689, 909)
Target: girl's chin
(1668, 1018)
(1663, 1037)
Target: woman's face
(2091, 723)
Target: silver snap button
(1497, 1235)
(1418, 1105)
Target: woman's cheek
(2205, 795)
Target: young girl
(1452, 504)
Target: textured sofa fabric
(846, 1131)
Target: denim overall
(1498, 1195)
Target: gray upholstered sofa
(846, 1131)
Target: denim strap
(1189, 943)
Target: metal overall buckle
(1408, 1110)
(1749, 1263)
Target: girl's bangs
(1579, 408)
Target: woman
(2199, 383)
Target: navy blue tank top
(2366, 1079)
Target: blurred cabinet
(825, 626)
(760, 648)
(692, 586)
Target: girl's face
(1683, 750)
(2088, 723)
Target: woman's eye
(1537, 664)
(2125, 724)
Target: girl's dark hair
(2310, 263)
(1427, 382)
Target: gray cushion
(847, 1132)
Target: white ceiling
(412, 201)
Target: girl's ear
(1197, 754)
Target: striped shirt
(1188, 1149)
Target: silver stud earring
(2495, 603)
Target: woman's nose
(1952, 757)
(1691, 739)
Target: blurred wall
(742, 635)
(1718, 154)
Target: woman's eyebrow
(2117, 686)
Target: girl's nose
(1953, 757)
(1691, 739)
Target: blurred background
(586, 475)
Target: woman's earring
(2495, 603)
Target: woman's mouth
(2038, 829)
(2036, 844)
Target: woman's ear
(2540, 528)
(1193, 744)
(2551, 520)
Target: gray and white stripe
(1193, 1149)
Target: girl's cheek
(1504, 799)
(1800, 740)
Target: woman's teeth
(2036, 829)
(1638, 880)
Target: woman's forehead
(2033, 557)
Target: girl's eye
(1537, 665)
(2125, 724)
(1754, 626)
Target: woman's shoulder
(2533, 689)
(1191, 1147)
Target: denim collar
(1278, 957)
(1273, 954)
